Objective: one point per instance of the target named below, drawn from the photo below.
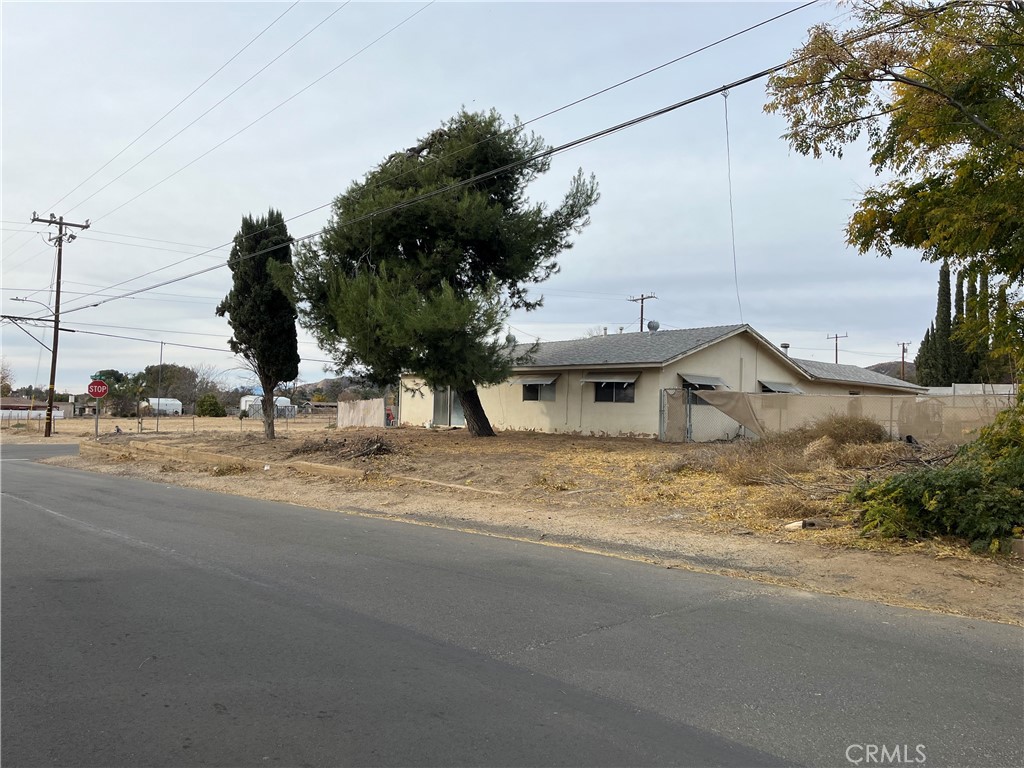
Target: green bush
(209, 405)
(979, 496)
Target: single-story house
(22, 404)
(644, 384)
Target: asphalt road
(147, 625)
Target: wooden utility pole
(59, 239)
(642, 298)
(903, 358)
(837, 337)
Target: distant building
(163, 406)
(253, 406)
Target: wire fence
(725, 415)
(35, 421)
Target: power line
(732, 218)
(271, 111)
(546, 153)
(211, 109)
(550, 152)
(29, 258)
(174, 343)
(172, 109)
(514, 129)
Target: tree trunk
(269, 407)
(476, 420)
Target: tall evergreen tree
(924, 362)
(262, 317)
(943, 329)
(424, 257)
(958, 303)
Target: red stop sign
(98, 388)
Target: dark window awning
(781, 386)
(544, 378)
(610, 377)
(703, 381)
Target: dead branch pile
(345, 449)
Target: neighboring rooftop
(852, 374)
(628, 348)
(662, 347)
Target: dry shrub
(224, 470)
(549, 483)
(789, 505)
(763, 461)
(846, 430)
(694, 458)
(872, 455)
(821, 451)
(820, 445)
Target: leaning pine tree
(261, 315)
(425, 256)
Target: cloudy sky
(81, 81)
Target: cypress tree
(943, 330)
(958, 307)
(261, 316)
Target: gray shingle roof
(852, 374)
(627, 348)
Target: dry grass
(753, 485)
(225, 470)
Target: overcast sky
(82, 80)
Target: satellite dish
(511, 340)
(653, 325)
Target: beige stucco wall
(416, 402)
(573, 410)
(741, 361)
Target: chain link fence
(689, 416)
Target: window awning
(706, 381)
(544, 378)
(610, 377)
(781, 386)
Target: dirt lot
(679, 506)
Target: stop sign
(97, 388)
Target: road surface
(151, 625)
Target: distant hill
(342, 382)
(893, 369)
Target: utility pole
(59, 239)
(903, 357)
(642, 298)
(837, 337)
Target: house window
(535, 392)
(614, 391)
(781, 387)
